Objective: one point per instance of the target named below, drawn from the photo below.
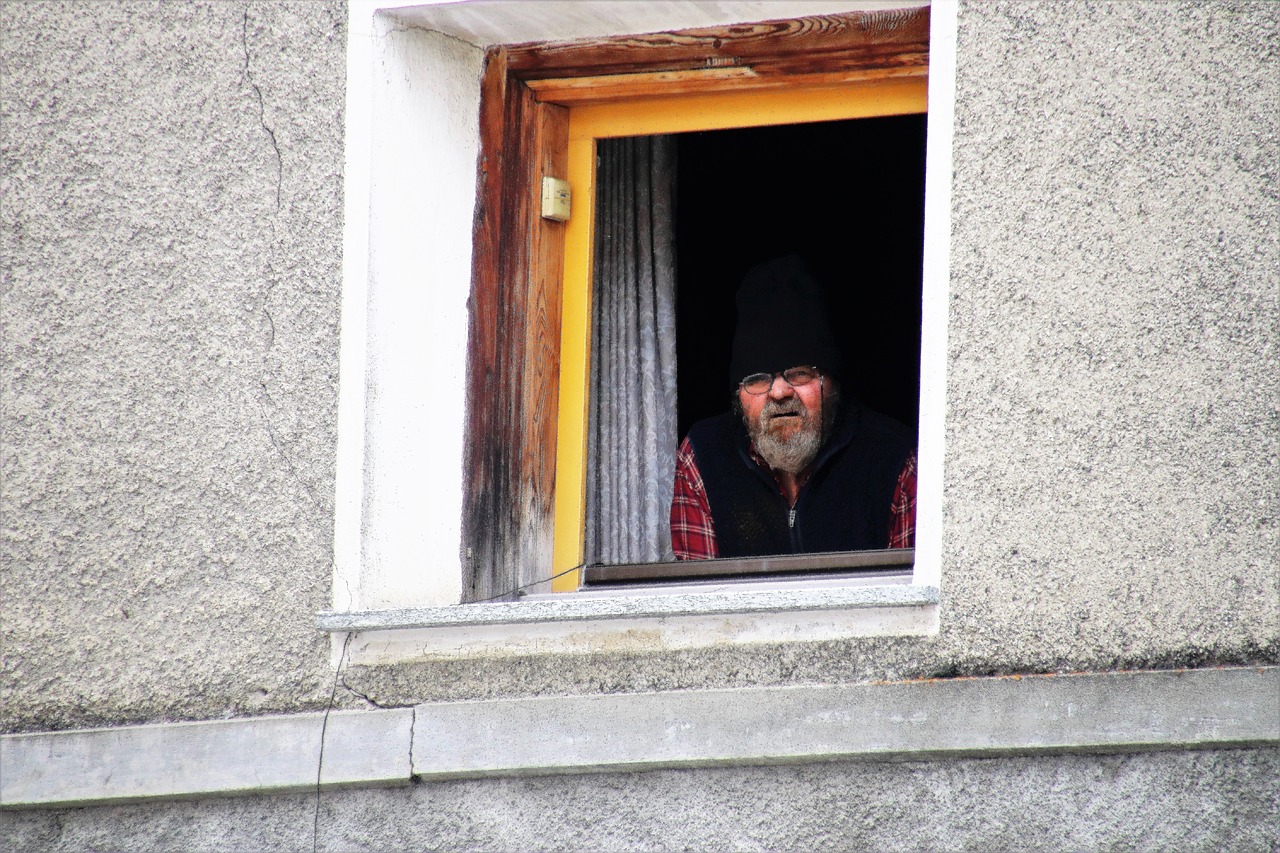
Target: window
(543, 108)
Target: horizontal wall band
(571, 608)
(969, 716)
(1004, 716)
(241, 756)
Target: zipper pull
(791, 518)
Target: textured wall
(1113, 426)
(171, 250)
(171, 218)
(1221, 801)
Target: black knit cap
(782, 322)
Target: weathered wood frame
(517, 265)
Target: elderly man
(794, 468)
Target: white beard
(790, 453)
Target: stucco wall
(1113, 426)
(1113, 405)
(171, 253)
(171, 231)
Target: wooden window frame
(517, 310)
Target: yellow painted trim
(643, 117)
(575, 342)
(751, 108)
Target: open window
(679, 220)
(544, 108)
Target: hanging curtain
(632, 426)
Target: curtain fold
(632, 411)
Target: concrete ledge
(975, 716)
(573, 608)
(1108, 712)
(200, 759)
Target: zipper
(791, 518)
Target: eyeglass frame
(742, 385)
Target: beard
(787, 435)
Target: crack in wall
(271, 322)
(262, 111)
(247, 75)
(267, 403)
(324, 730)
(401, 29)
(295, 475)
(413, 733)
(353, 691)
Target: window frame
(517, 417)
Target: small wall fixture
(555, 199)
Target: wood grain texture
(869, 36)
(612, 88)
(514, 341)
(548, 155)
(487, 508)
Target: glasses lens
(800, 375)
(757, 383)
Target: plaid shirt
(693, 536)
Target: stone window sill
(643, 618)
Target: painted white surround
(412, 141)
(490, 22)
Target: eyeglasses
(760, 383)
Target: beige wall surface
(1113, 428)
(171, 256)
(171, 228)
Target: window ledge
(715, 600)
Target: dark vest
(845, 505)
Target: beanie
(782, 322)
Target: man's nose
(781, 389)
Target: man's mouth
(789, 409)
(783, 418)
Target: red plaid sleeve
(693, 537)
(902, 523)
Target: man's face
(786, 423)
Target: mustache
(792, 406)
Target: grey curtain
(632, 432)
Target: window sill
(640, 619)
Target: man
(793, 469)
